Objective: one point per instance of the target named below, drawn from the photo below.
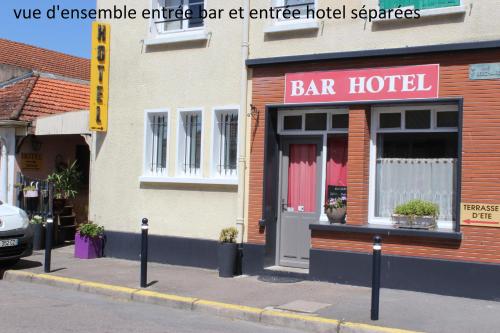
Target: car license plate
(9, 242)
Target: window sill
(186, 180)
(178, 37)
(291, 26)
(384, 230)
(454, 10)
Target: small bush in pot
(38, 232)
(416, 214)
(227, 252)
(335, 210)
(89, 241)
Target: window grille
(302, 5)
(227, 144)
(167, 20)
(158, 139)
(192, 143)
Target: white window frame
(216, 136)
(442, 11)
(375, 116)
(184, 30)
(148, 137)
(180, 143)
(281, 3)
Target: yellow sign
(31, 161)
(99, 77)
(481, 215)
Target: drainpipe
(242, 123)
(4, 176)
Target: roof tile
(43, 60)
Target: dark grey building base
(163, 249)
(443, 277)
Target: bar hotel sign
(99, 77)
(363, 85)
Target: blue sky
(67, 36)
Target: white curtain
(399, 180)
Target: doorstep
(286, 272)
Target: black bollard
(144, 253)
(377, 254)
(48, 243)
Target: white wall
(167, 76)
(8, 136)
(476, 24)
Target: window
(316, 121)
(295, 5)
(225, 146)
(447, 119)
(418, 119)
(156, 143)
(419, 4)
(340, 121)
(189, 142)
(170, 21)
(292, 123)
(390, 120)
(414, 156)
(301, 122)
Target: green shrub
(36, 219)
(91, 230)
(417, 208)
(228, 235)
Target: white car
(16, 234)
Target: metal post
(144, 253)
(48, 243)
(377, 254)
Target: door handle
(284, 205)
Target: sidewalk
(398, 309)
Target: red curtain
(302, 177)
(336, 166)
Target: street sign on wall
(358, 85)
(482, 215)
(99, 77)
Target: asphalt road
(26, 307)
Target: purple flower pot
(87, 248)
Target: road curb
(232, 311)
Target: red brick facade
(480, 155)
(358, 165)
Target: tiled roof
(12, 97)
(40, 96)
(42, 60)
(50, 96)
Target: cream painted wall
(477, 24)
(168, 76)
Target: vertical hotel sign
(99, 77)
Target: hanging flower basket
(30, 193)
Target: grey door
(299, 198)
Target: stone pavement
(398, 309)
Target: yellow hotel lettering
(99, 77)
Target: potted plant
(30, 191)
(89, 241)
(66, 183)
(38, 232)
(335, 210)
(227, 252)
(416, 214)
